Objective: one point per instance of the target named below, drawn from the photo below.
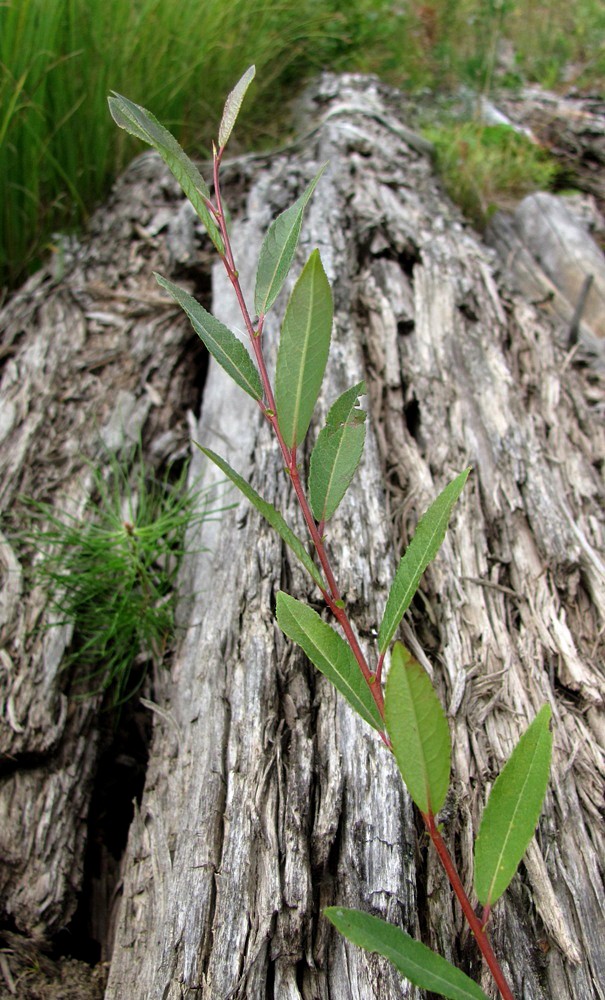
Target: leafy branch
(408, 715)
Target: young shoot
(409, 719)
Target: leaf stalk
(474, 923)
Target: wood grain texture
(275, 800)
(266, 798)
(92, 360)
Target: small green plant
(408, 717)
(483, 167)
(111, 571)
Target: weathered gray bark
(554, 262)
(572, 127)
(91, 358)
(266, 799)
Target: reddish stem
(379, 667)
(289, 454)
(332, 594)
(473, 921)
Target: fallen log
(265, 798)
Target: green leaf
(419, 731)
(303, 351)
(423, 967)
(330, 654)
(278, 249)
(270, 514)
(512, 811)
(422, 549)
(142, 124)
(232, 106)
(223, 345)
(337, 453)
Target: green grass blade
(422, 549)
(337, 453)
(330, 654)
(278, 249)
(223, 345)
(512, 811)
(270, 514)
(419, 731)
(142, 124)
(303, 351)
(232, 106)
(423, 967)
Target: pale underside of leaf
(222, 344)
(511, 814)
(337, 453)
(233, 105)
(329, 653)
(143, 125)
(419, 731)
(423, 548)
(303, 351)
(278, 249)
(270, 513)
(422, 966)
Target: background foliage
(59, 58)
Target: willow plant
(406, 712)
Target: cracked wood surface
(92, 359)
(266, 799)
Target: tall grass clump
(59, 57)
(111, 570)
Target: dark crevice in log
(405, 327)
(408, 258)
(271, 980)
(118, 785)
(411, 412)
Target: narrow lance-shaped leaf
(422, 549)
(278, 249)
(337, 453)
(222, 344)
(423, 967)
(142, 124)
(303, 351)
(270, 514)
(330, 654)
(232, 106)
(512, 811)
(419, 731)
